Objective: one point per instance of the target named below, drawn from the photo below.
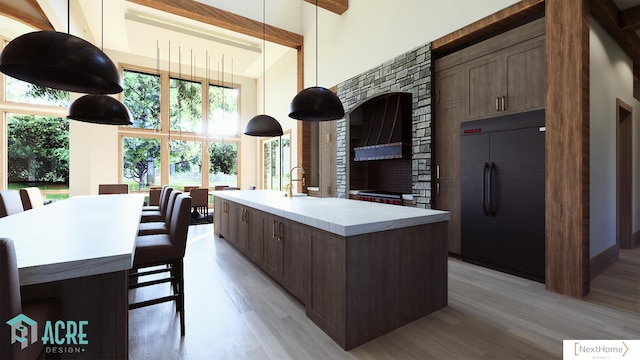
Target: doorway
(624, 116)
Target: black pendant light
(263, 125)
(99, 109)
(316, 103)
(60, 61)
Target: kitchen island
(361, 269)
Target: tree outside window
(142, 98)
(223, 167)
(141, 160)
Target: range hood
(381, 127)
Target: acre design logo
(23, 330)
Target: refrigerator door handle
(485, 174)
(491, 208)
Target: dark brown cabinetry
(502, 75)
(507, 81)
(355, 288)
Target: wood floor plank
(236, 311)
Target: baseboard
(602, 261)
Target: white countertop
(339, 216)
(80, 236)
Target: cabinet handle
(437, 172)
(274, 229)
(497, 103)
(504, 103)
(280, 231)
(246, 216)
(243, 210)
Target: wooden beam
(607, 14)
(336, 6)
(630, 18)
(36, 7)
(40, 24)
(224, 19)
(500, 21)
(567, 241)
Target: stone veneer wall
(410, 72)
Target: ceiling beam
(213, 16)
(38, 23)
(630, 18)
(497, 22)
(335, 6)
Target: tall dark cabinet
(502, 192)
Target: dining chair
(158, 254)
(157, 215)
(10, 203)
(160, 227)
(188, 188)
(12, 306)
(155, 198)
(220, 187)
(110, 189)
(200, 200)
(31, 198)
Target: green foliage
(224, 158)
(53, 96)
(38, 149)
(185, 112)
(138, 153)
(142, 98)
(184, 155)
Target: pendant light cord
(264, 59)
(69, 17)
(316, 42)
(102, 25)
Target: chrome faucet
(291, 180)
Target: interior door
(475, 219)
(517, 206)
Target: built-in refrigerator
(502, 193)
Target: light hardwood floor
(235, 311)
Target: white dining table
(80, 250)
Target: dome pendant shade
(263, 125)
(60, 61)
(99, 109)
(316, 104)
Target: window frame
(165, 134)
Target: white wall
(610, 78)
(371, 32)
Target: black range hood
(381, 127)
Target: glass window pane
(142, 98)
(223, 167)
(286, 159)
(223, 111)
(185, 105)
(38, 154)
(141, 160)
(24, 92)
(185, 163)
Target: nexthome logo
(21, 327)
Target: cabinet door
(230, 222)
(217, 216)
(295, 254)
(272, 246)
(525, 77)
(484, 84)
(244, 228)
(254, 234)
(447, 154)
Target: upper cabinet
(509, 80)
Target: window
(276, 156)
(223, 168)
(172, 143)
(38, 154)
(142, 98)
(36, 131)
(186, 106)
(141, 159)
